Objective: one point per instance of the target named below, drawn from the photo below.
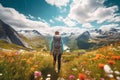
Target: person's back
(57, 44)
(57, 49)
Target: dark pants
(57, 57)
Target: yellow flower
(35, 66)
(29, 62)
(32, 69)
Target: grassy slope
(36, 42)
(90, 62)
(29, 61)
(6, 45)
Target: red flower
(111, 62)
(101, 65)
(82, 76)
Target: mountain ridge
(8, 34)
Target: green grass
(6, 45)
(19, 65)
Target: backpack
(57, 42)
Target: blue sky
(64, 15)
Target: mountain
(85, 36)
(34, 38)
(8, 34)
(97, 38)
(83, 40)
(30, 33)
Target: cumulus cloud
(59, 18)
(104, 14)
(87, 25)
(109, 27)
(69, 22)
(18, 20)
(85, 11)
(58, 3)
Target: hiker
(56, 49)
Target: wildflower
(110, 53)
(35, 66)
(111, 62)
(74, 69)
(32, 69)
(84, 63)
(117, 72)
(110, 75)
(28, 61)
(82, 76)
(101, 65)
(11, 60)
(9, 55)
(107, 57)
(17, 53)
(107, 69)
(71, 77)
(37, 74)
(48, 75)
(115, 57)
(118, 78)
(88, 72)
(1, 74)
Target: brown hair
(56, 32)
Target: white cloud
(87, 25)
(31, 17)
(39, 18)
(51, 21)
(108, 27)
(115, 19)
(18, 20)
(104, 14)
(69, 22)
(59, 18)
(58, 3)
(85, 11)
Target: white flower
(118, 78)
(47, 78)
(74, 69)
(1, 74)
(117, 72)
(48, 75)
(110, 75)
(107, 69)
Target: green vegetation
(6, 45)
(20, 64)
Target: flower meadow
(100, 64)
